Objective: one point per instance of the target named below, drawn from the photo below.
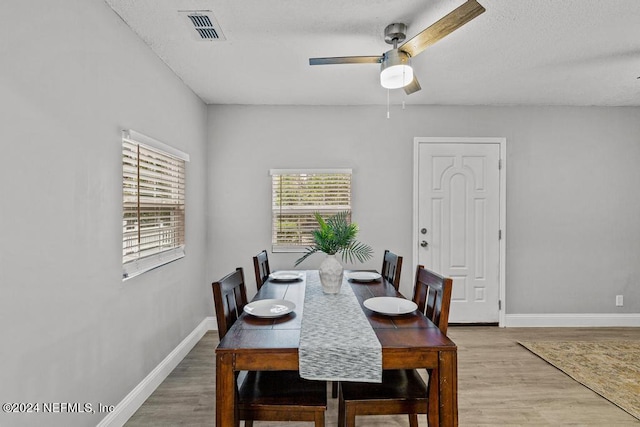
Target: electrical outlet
(619, 301)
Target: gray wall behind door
(573, 204)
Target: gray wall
(573, 204)
(72, 75)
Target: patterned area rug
(610, 368)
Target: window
(153, 215)
(297, 195)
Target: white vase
(331, 272)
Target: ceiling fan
(396, 71)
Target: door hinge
(499, 234)
(499, 305)
(499, 164)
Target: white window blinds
(297, 195)
(153, 188)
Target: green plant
(337, 235)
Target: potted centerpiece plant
(336, 235)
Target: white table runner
(337, 342)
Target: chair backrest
(230, 297)
(261, 268)
(392, 267)
(432, 294)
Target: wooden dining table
(407, 341)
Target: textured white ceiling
(519, 52)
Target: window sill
(289, 249)
(135, 268)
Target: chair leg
(349, 416)
(432, 420)
(341, 414)
(413, 420)
(433, 411)
(248, 423)
(319, 421)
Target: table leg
(225, 391)
(448, 379)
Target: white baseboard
(132, 401)
(572, 320)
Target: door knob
(424, 244)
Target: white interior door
(459, 224)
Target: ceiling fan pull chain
(388, 90)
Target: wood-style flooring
(500, 383)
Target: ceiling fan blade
(445, 26)
(346, 60)
(412, 87)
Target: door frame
(502, 142)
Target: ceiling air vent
(204, 25)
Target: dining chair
(401, 391)
(391, 268)
(266, 395)
(261, 268)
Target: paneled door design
(459, 223)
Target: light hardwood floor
(500, 383)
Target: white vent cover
(203, 25)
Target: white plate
(363, 276)
(286, 276)
(390, 305)
(269, 307)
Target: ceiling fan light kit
(396, 71)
